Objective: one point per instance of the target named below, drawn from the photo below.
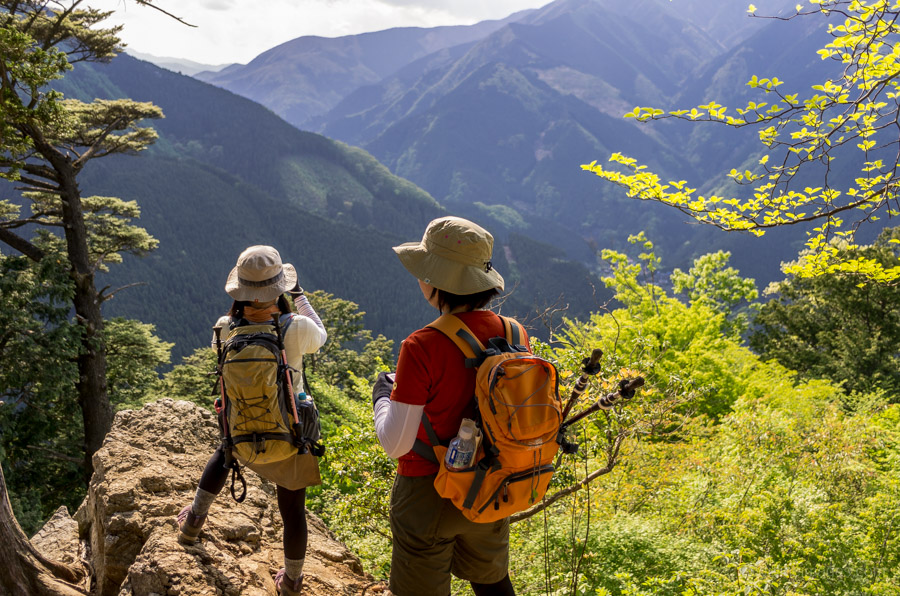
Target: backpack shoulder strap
(424, 449)
(515, 333)
(473, 350)
(453, 327)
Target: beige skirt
(292, 473)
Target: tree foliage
(682, 350)
(134, 355)
(40, 438)
(832, 327)
(354, 498)
(41, 435)
(849, 120)
(350, 351)
(45, 143)
(735, 477)
(712, 283)
(194, 379)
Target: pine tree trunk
(93, 398)
(96, 410)
(23, 570)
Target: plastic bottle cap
(465, 432)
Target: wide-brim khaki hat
(260, 276)
(454, 255)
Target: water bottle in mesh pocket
(310, 431)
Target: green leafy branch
(855, 116)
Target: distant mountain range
(307, 76)
(182, 65)
(496, 119)
(227, 173)
(490, 122)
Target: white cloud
(219, 4)
(238, 30)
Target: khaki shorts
(292, 473)
(432, 539)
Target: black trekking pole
(627, 389)
(589, 367)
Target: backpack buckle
(259, 443)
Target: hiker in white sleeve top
(260, 284)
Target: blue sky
(238, 30)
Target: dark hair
(449, 301)
(237, 307)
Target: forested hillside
(493, 128)
(227, 173)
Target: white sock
(293, 568)
(202, 502)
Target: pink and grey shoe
(189, 525)
(287, 586)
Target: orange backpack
(518, 411)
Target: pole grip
(589, 366)
(592, 365)
(627, 389)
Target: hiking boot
(189, 525)
(287, 586)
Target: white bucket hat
(260, 276)
(454, 255)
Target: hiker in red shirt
(431, 537)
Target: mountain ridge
(308, 64)
(614, 57)
(227, 173)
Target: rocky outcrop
(146, 471)
(58, 539)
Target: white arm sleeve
(222, 323)
(396, 425)
(304, 336)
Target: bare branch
(104, 297)
(39, 170)
(150, 4)
(20, 244)
(37, 219)
(53, 454)
(37, 186)
(611, 463)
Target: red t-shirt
(431, 371)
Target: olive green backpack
(259, 423)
